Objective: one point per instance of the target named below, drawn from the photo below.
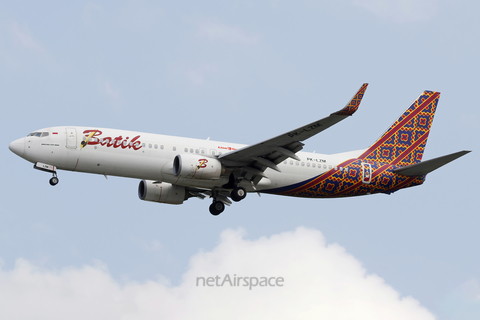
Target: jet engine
(195, 166)
(162, 192)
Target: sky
(238, 71)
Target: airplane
(174, 169)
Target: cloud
(400, 11)
(111, 91)
(321, 281)
(23, 37)
(197, 76)
(221, 32)
(471, 290)
(463, 302)
(155, 245)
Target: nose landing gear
(48, 168)
(53, 180)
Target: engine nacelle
(162, 192)
(194, 166)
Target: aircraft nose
(18, 147)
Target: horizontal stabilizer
(424, 167)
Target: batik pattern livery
(401, 145)
(351, 178)
(404, 142)
(353, 105)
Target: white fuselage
(150, 156)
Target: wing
(252, 161)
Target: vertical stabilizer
(404, 142)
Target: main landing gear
(238, 193)
(218, 205)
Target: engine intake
(162, 192)
(192, 166)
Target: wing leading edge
(253, 160)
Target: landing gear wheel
(238, 194)
(53, 181)
(217, 207)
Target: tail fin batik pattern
(404, 142)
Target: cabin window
(329, 167)
(285, 162)
(191, 150)
(297, 163)
(161, 146)
(143, 145)
(308, 164)
(213, 152)
(186, 149)
(149, 145)
(202, 151)
(291, 161)
(156, 146)
(303, 164)
(313, 165)
(197, 151)
(174, 148)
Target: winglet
(353, 105)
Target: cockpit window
(38, 134)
